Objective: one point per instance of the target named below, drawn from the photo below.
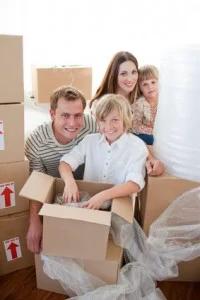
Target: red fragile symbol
(13, 249)
(6, 193)
(1, 132)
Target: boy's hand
(95, 202)
(71, 192)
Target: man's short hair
(68, 93)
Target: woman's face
(127, 78)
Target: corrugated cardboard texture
(107, 269)
(43, 281)
(11, 69)
(12, 116)
(45, 80)
(12, 226)
(18, 173)
(158, 194)
(39, 187)
(68, 231)
(121, 207)
(74, 238)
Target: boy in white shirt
(111, 156)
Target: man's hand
(34, 235)
(71, 192)
(154, 167)
(95, 202)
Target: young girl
(145, 108)
(111, 156)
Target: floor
(21, 285)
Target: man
(49, 142)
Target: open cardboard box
(70, 231)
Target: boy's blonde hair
(148, 72)
(108, 103)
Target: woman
(120, 78)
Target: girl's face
(149, 88)
(127, 78)
(112, 126)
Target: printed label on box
(7, 195)
(2, 144)
(12, 248)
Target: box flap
(114, 252)
(38, 187)
(76, 213)
(124, 207)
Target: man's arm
(154, 166)
(34, 234)
(120, 190)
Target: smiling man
(50, 141)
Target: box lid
(38, 187)
(76, 213)
(124, 207)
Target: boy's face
(149, 88)
(112, 126)
(127, 78)
(67, 120)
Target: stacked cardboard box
(13, 166)
(78, 233)
(45, 80)
(158, 194)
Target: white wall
(89, 32)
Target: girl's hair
(147, 72)
(108, 103)
(68, 93)
(109, 82)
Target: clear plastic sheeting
(72, 277)
(132, 238)
(174, 237)
(176, 233)
(176, 127)
(133, 284)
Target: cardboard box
(12, 178)
(13, 252)
(11, 132)
(107, 270)
(46, 80)
(83, 233)
(158, 194)
(11, 69)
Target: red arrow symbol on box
(6, 193)
(13, 248)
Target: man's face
(67, 120)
